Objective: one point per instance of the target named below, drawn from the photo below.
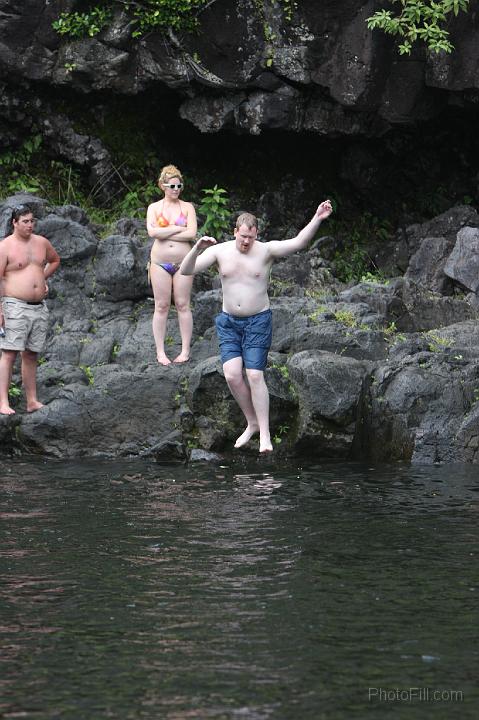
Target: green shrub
(14, 391)
(145, 15)
(214, 208)
(353, 262)
(89, 23)
(418, 20)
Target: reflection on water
(139, 590)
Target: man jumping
(244, 326)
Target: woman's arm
(175, 232)
(156, 232)
(188, 233)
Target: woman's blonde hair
(168, 172)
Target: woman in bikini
(172, 224)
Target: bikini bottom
(170, 268)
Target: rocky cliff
(283, 112)
(388, 371)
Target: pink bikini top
(181, 220)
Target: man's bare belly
(243, 299)
(27, 284)
(246, 307)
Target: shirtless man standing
(244, 326)
(26, 261)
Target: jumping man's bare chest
(246, 269)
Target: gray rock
(70, 239)
(395, 257)
(197, 455)
(415, 408)
(120, 268)
(329, 390)
(463, 262)
(426, 266)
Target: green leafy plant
(351, 265)
(391, 334)
(317, 294)
(282, 430)
(15, 168)
(346, 317)
(62, 184)
(282, 369)
(289, 6)
(320, 310)
(144, 15)
(437, 342)
(353, 261)
(26, 169)
(88, 373)
(14, 391)
(418, 20)
(375, 278)
(214, 208)
(135, 200)
(81, 24)
(391, 329)
(279, 287)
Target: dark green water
(138, 590)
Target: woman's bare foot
(182, 357)
(163, 359)
(33, 406)
(6, 410)
(246, 436)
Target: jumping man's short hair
(247, 219)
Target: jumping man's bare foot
(265, 445)
(246, 436)
(182, 357)
(163, 359)
(33, 406)
(6, 410)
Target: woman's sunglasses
(173, 186)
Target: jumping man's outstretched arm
(194, 262)
(282, 248)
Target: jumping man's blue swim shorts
(247, 337)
